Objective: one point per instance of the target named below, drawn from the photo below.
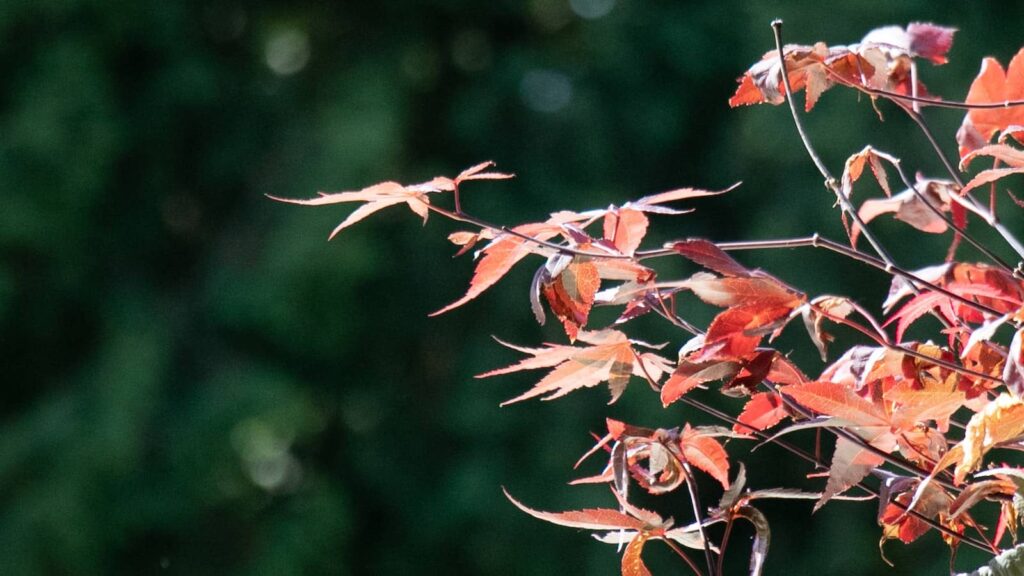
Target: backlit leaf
(838, 401)
(992, 85)
(625, 229)
(499, 257)
(710, 256)
(762, 411)
(707, 454)
(609, 358)
(632, 563)
(589, 519)
(1001, 421)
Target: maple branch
(881, 338)
(877, 335)
(867, 316)
(695, 503)
(957, 104)
(919, 120)
(884, 341)
(830, 181)
(690, 485)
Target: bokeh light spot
(545, 90)
(287, 51)
(591, 9)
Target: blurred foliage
(197, 383)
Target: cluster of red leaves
(881, 61)
(656, 458)
(889, 402)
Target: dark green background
(196, 382)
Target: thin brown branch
(901, 101)
(883, 340)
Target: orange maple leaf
(993, 85)
(380, 196)
(571, 294)
(610, 358)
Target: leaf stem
(914, 98)
(721, 547)
(691, 486)
(679, 551)
(481, 223)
